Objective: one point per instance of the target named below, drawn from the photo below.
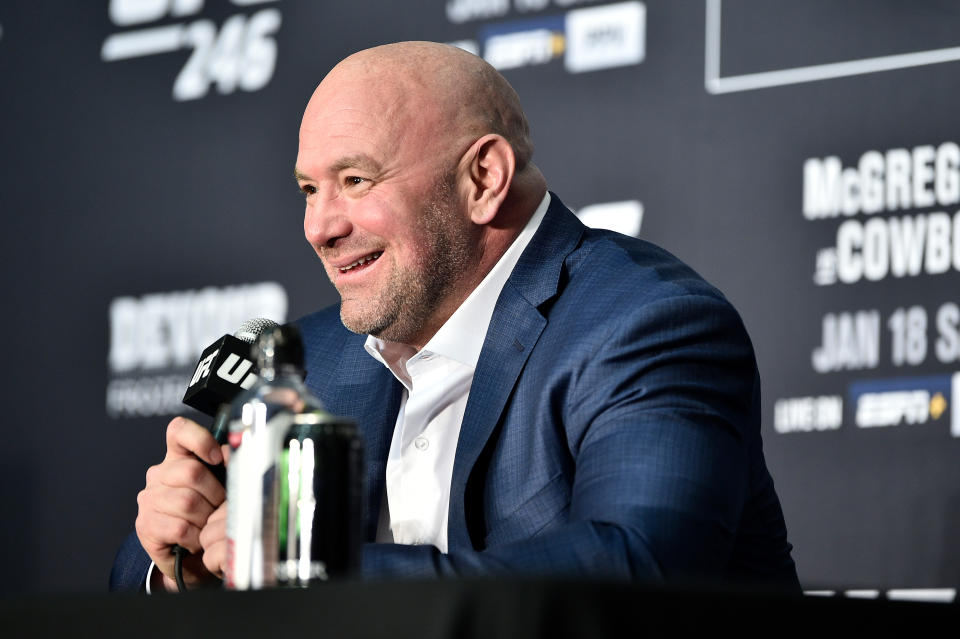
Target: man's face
(382, 212)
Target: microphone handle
(220, 428)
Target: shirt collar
(461, 337)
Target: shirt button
(422, 443)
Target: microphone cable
(178, 553)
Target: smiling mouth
(362, 262)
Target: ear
(490, 169)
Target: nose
(324, 222)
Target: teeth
(362, 260)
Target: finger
(219, 515)
(186, 438)
(188, 472)
(225, 450)
(215, 557)
(158, 532)
(215, 530)
(180, 503)
(213, 539)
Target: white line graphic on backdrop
(942, 595)
(134, 44)
(766, 79)
(936, 595)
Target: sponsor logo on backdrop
(523, 43)
(460, 11)
(156, 338)
(586, 39)
(605, 37)
(905, 401)
(240, 53)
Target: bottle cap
(278, 348)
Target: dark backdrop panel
(149, 206)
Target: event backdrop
(801, 155)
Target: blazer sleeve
(130, 567)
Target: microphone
(226, 367)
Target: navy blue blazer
(612, 428)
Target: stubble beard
(413, 293)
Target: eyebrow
(359, 161)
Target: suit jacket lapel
(514, 330)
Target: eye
(307, 189)
(354, 180)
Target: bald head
(458, 92)
(414, 160)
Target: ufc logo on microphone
(238, 370)
(203, 368)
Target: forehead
(348, 126)
(355, 113)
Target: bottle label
(252, 496)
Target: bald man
(536, 397)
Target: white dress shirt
(436, 383)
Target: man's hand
(213, 538)
(179, 497)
